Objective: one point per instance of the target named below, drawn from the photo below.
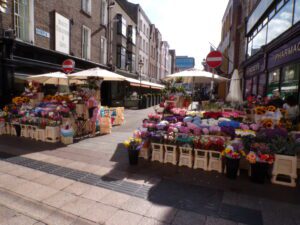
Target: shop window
(122, 25)
(121, 57)
(86, 42)
(297, 11)
(273, 81)
(281, 21)
(254, 85)
(103, 53)
(23, 20)
(248, 87)
(249, 48)
(290, 79)
(259, 40)
(86, 6)
(262, 84)
(104, 15)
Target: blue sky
(187, 25)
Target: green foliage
(285, 146)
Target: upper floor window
(122, 25)
(131, 33)
(121, 57)
(104, 15)
(86, 6)
(23, 22)
(86, 42)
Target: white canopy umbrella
(56, 78)
(103, 74)
(235, 91)
(197, 76)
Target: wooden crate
(215, 161)
(201, 159)
(287, 166)
(186, 157)
(171, 154)
(52, 134)
(157, 152)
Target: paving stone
(137, 205)
(96, 193)
(59, 218)
(8, 181)
(218, 221)
(80, 221)
(19, 220)
(161, 213)
(78, 206)
(32, 174)
(77, 188)
(251, 202)
(6, 167)
(39, 223)
(124, 218)
(37, 156)
(99, 213)
(115, 199)
(59, 199)
(61, 183)
(186, 218)
(230, 197)
(6, 213)
(33, 209)
(46, 179)
(7, 198)
(150, 221)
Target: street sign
(214, 59)
(68, 65)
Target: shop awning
(21, 76)
(145, 84)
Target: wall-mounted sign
(287, 53)
(42, 33)
(255, 68)
(62, 34)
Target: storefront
(255, 78)
(284, 69)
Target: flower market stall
(57, 117)
(222, 140)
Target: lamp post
(141, 64)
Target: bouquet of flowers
(154, 117)
(133, 144)
(234, 151)
(260, 152)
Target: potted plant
(133, 147)
(260, 157)
(232, 154)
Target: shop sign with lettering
(255, 68)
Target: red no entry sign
(68, 66)
(214, 59)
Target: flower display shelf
(186, 157)
(41, 134)
(67, 140)
(215, 161)
(52, 134)
(157, 152)
(171, 154)
(24, 131)
(287, 166)
(201, 159)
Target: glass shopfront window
(248, 87)
(281, 21)
(297, 11)
(254, 85)
(259, 40)
(290, 80)
(262, 84)
(273, 81)
(249, 48)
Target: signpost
(213, 60)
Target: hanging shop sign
(62, 34)
(285, 54)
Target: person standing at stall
(92, 105)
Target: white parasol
(235, 91)
(103, 74)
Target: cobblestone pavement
(90, 182)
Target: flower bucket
(133, 156)
(259, 172)
(232, 167)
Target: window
(259, 40)
(297, 11)
(122, 25)
(262, 84)
(86, 6)
(249, 49)
(131, 61)
(273, 81)
(22, 15)
(281, 21)
(86, 42)
(290, 80)
(103, 49)
(248, 86)
(121, 57)
(131, 34)
(104, 16)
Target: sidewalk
(90, 182)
